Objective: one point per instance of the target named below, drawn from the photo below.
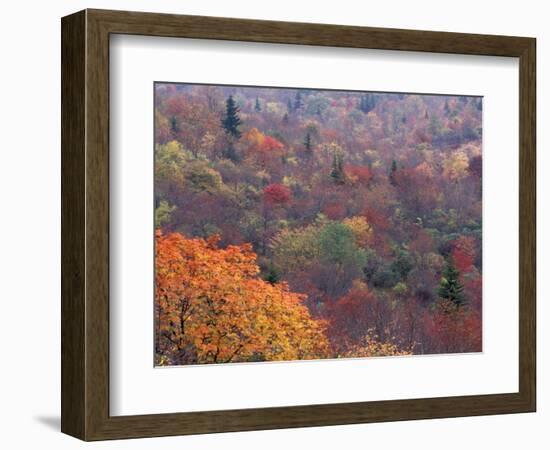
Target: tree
(163, 212)
(231, 121)
(308, 144)
(393, 171)
(276, 195)
(298, 102)
(174, 126)
(463, 253)
(450, 287)
(257, 106)
(367, 103)
(211, 307)
(337, 171)
(285, 119)
(447, 108)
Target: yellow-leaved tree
(211, 307)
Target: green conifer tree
(231, 121)
(447, 108)
(174, 126)
(298, 102)
(285, 119)
(289, 106)
(393, 171)
(308, 145)
(337, 172)
(257, 106)
(450, 287)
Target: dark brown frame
(85, 224)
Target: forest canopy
(304, 224)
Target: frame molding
(85, 224)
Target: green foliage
(272, 275)
(447, 108)
(231, 153)
(174, 126)
(308, 144)
(337, 246)
(231, 120)
(367, 103)
(298, 102)
(295, 249)
(402, 264)
(450, 287)
(393, 171)
(285, 119)
(384, 278)
(317, 105)
(163, 212)
(201, 177)
(170, 163)
(397, 177)
(400, 289)
(337, 171)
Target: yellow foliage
(372, 347)
(213, 308)
(455, 167)
(361, 229)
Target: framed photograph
(273, 225)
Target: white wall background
(30, 226)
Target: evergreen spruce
(257, 106)
(367, 103)
(308, 144)
(272, 276)
(450, 287)
(298, 102)
(231, 121)
(479, 104)
(230, 152)
(393, 170)
(337, 172)
(447, 108)
(289, 106)
(285, 119)
(174, 126)
(319, 112)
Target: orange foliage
(211, 307)
(359, 174)
(264, 149)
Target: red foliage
(354, 315)
(377, 219)
(451, 330)
(270, 144)
(360, 174)
(277, 194)
(334, 210)
(476, 166)
(463, 253)
(473, 288)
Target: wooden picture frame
(85, 224)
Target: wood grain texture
(85, 224)
(73, 111)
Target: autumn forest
(300, 224)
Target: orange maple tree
(211, 307)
